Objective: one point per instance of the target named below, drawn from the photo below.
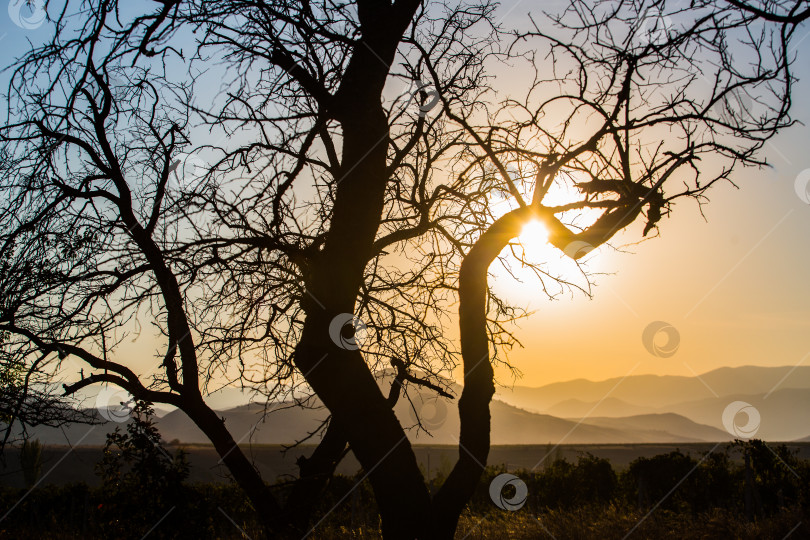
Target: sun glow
(530, 259)
(534, 249)
(534, 233)
(531, 268)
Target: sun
(533, 248)
(534, 233)
(554, 271)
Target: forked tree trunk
(340, 377)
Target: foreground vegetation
(741, 490)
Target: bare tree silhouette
(343, 177)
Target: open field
(63, 465)
(576, 493)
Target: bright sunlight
(531, 258)
(534, 232)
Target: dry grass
(609, 523)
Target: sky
(734, 286)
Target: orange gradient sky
(734, 286)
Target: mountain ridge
(648, 390)
(671, 409)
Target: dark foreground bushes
(76, 511)
(773, 479)
(744, 490)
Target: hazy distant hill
(638, 409)
(510, 425)
(785, 412)
(658, 391)
(608, 407)
(661, 426)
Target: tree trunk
(479, 386)
(244, 473)
(341, 377)
(314, 474)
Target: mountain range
(634, 409)
(781, 395)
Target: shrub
(141, 482)
(31, 461)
